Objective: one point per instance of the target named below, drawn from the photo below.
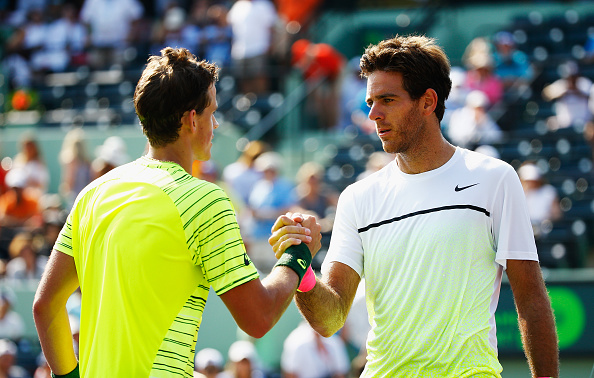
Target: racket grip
(308, 282)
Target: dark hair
(422, 63)
(170, 85)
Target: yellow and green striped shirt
(148, 241)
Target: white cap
(529, 172)
(241, 350)
(477, 99)
(208, 357)
(113, 151)
(16, 178)
(7, 347)
(268, 160)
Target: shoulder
(476, 161)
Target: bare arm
(257, 305)
(535, 317)
(327, 305)
(59, 281)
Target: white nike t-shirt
(432, 248)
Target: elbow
(39, 308)
(325, 331)
(257, 327)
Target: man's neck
(425, 159)
(173, 152)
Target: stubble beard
(408, 134)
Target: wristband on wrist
(73, 374)
(296, 257)
(308, 282)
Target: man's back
(148, 240)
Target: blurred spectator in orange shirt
(322, 66)
(19, 205)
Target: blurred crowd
(246, 37)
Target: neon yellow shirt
(148, 241)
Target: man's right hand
(295, 228)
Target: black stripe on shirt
(422, 212)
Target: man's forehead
(381, 82)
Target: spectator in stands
(512, 66)
(25, 262)
(208, 363)
(314, 197)
(479, 62)
(241, 175)
(64, 42)
(570, 94)
(19, 205)
(23, 46)
(8, 366)
(252, 22)
(352, 94)
(272, 196)
(174, 30)
(112, 28)
(457, 97)
(111, 154)
(12, 325)
(30, 160)
(75, 164)
(322, 67)
(244, 361)
(297, 15)
(542, 198)
(53, 221)
(472, 125)
(306, 354)
(217, 37)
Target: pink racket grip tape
(308, 282)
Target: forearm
(257, 305)
(49, 311)
(53, 329)
(535, 317)
(280, 286)
(323, 308)
(539, 337)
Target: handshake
(295, 240)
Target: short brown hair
(170, 85)
(422, 63)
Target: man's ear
(429, 101)
(190, 119)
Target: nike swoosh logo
(246, 261)
(459, 188)
(302, 263)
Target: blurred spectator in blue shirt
(272, 196)
(511, 65)
(217, 37)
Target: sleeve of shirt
(218, 245)
(345, 244)
(512, 229)
(64, 241)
